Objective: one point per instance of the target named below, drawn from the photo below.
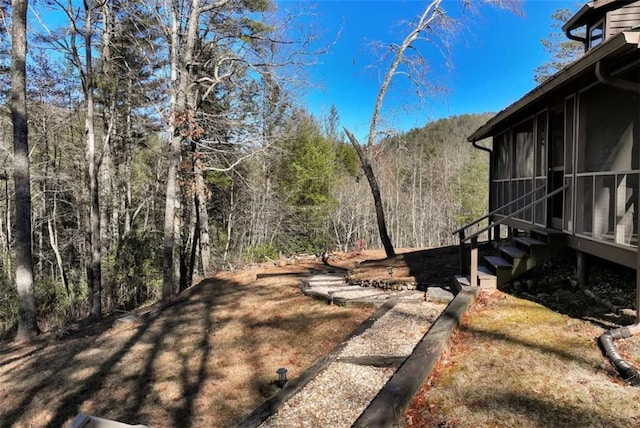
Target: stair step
(484, 272)
(546, 232)
(547, 235)
(498, 262)
(527, 241)
(513, 252)
(486, 278)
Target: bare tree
(27, 326)
(429, 17)
(433, 19)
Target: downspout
(627, 371)
(582, 40)
(485, 149)
(615, 82)
(475, 145)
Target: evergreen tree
(561, 50)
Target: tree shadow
(538, 411)
(158, 368)
(51, 368)
(434, 267)
(545, 349)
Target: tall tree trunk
(180, 63)
(95, 271)
(375, 191)
(27, 326)
(203, 215)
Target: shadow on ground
(194, 362)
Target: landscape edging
(387, 407)
(269, 407)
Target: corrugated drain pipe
(627, 371)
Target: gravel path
(339, 394)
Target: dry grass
(517, 363)
(206, 361)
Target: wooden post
(464, 266)
(581, 268)
(638, 273)
(473, 276)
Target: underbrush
(132, 276)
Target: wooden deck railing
(473, 239)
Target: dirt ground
(524, 358)
(529, 357)
(207, 360)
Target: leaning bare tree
(429, 16)
(27, 326)
(434, 20)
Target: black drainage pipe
(627, 371)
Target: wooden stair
(515, 257)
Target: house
(565, 158)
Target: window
(596, 34)
(501, 156)
(523, 150)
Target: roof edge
(571, 23)
(619, 41)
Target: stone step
(325, 283)
(439, 295)
(325, 278)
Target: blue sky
(493, 55)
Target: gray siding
(622, 19)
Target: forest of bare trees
(164, 144)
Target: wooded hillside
(305, 193)
(166, 143)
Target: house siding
(598, 159)
(622, 19)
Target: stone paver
(370, 377)
(334, 289)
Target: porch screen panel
(528, 188)
(523, 150)
(523, 168)
(569, 134)
(608, 165)
(568, 205)
(626, 219)
(609, 130)
(540, 209)
(604, 207)
(495, 197)
(541, 145)
(501, 157)
(584, 206)
(504, 187)
(501, 171)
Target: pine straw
(206, 361)
(516, 363)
